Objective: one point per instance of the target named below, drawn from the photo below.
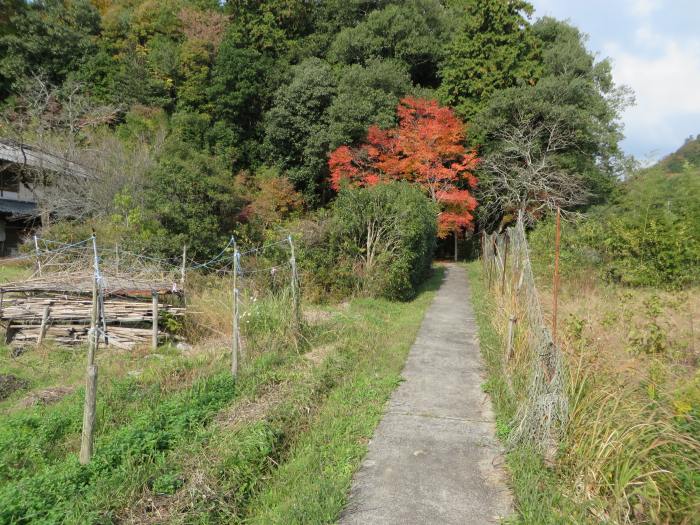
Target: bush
(377, 240)
(650, 237)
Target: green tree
(412, 32)
(387, 233)
(492, 49)
(576, 98)
(332, 16)
(46, 37)
(190, 197)
(242, 82)
(367, 95)
(272, 27)
(296, 128)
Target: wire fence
(52, 301)
(533, 364)
(64, 273)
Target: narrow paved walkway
(434, 458)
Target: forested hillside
(202, 120)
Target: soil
(9, 384)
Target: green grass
(14, 272)
(162, 433)
(311, 486)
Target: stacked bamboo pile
(40, 309)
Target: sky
(654, 46)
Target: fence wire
(233, 281)
(543, 405)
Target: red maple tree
(425, 148)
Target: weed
(630, 453)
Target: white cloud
(643, 8)
(665, 85)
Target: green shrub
(662, 252)
(377, 240)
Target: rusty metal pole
(555, 287)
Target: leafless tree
(108, 168)
(523, 173)
(86, 166)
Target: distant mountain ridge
(687, 156)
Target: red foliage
(425, 148)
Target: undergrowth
(182, 439)
(627, 456)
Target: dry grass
(615, 323)
(630, 451)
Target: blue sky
(654, 46)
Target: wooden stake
(116, 255)
(295, 288)
(505, 261)
(184, 263)
(555, 305)
(93, 340)
(234, 334)
(511, 337)
(234, 338)
(154, 313)
(38, 255)
(456, 251)
(44, 325)
(88, 437)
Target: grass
(312, 485)
(538, 495)
(14, 271)
(179, 438)
(630, 453)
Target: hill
(686, 157)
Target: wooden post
(555, 305)
(184, 264)
(456, 251)
(505, 262)
(234, 299)
(511, 337)
(44, 325)
(88, 437)
(93, 339)
(116, 255)
(234, 336)
(38, 255)
(154, 313)
(295, 287)
(494, 262)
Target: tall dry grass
(631, 450)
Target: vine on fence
(542, 404)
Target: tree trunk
(456, 250)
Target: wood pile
(41, 309)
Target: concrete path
(434, 458)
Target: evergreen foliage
(245, 86)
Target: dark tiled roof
(17, 207)
(33, 157)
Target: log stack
(60, 310)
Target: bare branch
(523, 173)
